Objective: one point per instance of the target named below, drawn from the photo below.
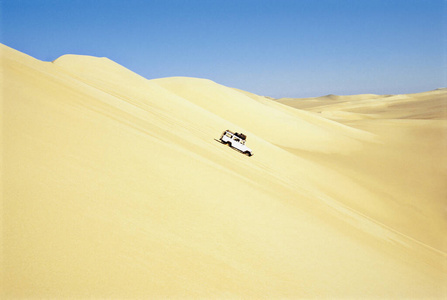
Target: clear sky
(277, 48)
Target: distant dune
(429, 105)
(115, 187)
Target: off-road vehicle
(236, 141)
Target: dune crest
(114, 187)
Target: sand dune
(429, 105)
(114, 187)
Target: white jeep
(236, 141)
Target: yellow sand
(114, 187)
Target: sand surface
(113, 186)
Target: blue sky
(278, 48)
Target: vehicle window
(236, 139)
(228, 135)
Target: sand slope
(113, 186)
